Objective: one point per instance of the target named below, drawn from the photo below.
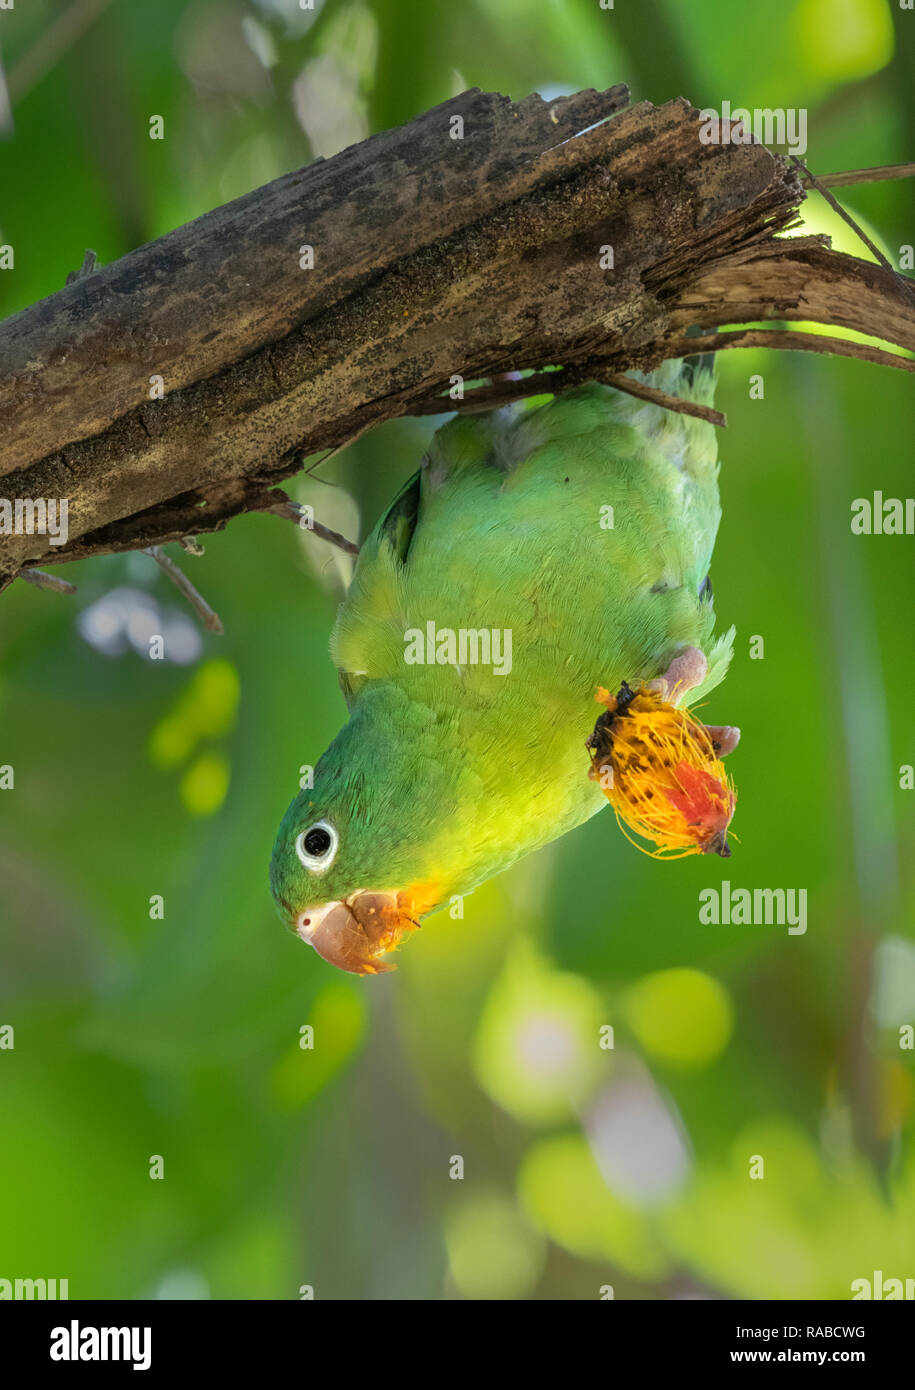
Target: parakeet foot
(725, 738)
(687, 670)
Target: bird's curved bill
(356, 934)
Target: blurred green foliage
(177, 1030)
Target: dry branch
(210, 619)
(47, 581)
(434, 257)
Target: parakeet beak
(356, 934)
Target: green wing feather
(501, 528)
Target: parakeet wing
(506, 525)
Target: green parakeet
(539, 553)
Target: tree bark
(471, 242)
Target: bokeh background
(583, 1166)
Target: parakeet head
(350, 872)
(350, 915)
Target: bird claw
(685, 672)
(725, 738)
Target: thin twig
(334, 451)
(876, 175)
(836, 206)
(90, 263)
(505, 391)
(788, 341)
(208, 617)
(311, 470)
(42, 580)
(6, 110)
(501, 392)
(56, 40)
(651, 393)
(293, 511)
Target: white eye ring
(317, 863)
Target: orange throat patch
(660, 770)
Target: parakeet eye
(317, 845)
